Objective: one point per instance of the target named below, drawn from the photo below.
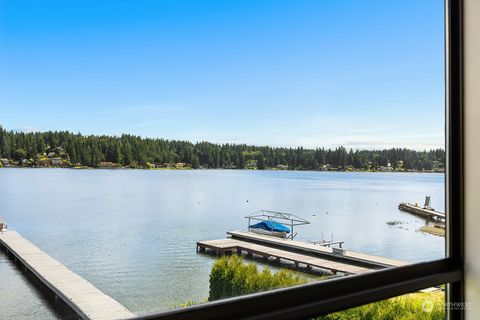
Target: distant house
(108, 165)
(56, 161)
(65, 156)
(149, 165)
(43, 162)
(251, 164)
(179, 165)
(51, 154)
(282, 167)
(5, 162)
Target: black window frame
(315, 299)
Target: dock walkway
(422, 212)
(341, 255)
(229, 245)
(80, 295)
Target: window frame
(320, 298)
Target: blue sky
(363, 74)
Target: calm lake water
(132, 233)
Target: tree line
(134, 151)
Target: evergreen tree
(260, 161)
(19, 154)
(131, 150)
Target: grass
(412, 306)
(230, 276)
(433, 229)
(189, 303)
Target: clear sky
(363, 74)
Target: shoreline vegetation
(63, 149)
(433, 228)
(230, 276)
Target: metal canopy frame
(269, 215)
(272, 215)
(319, 298)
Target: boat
(269, 223)
(271, 228)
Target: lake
(132, 233)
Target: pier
(422, 212)
(81, 296)
(301, 254)
(228, 246)
(330, 253)
(426, 212)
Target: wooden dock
(422, 212)
(81, 296)
(228, 245)
(329, 253)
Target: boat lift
(288, 219)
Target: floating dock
(226, 246)
(336, 254)
(335, 260)
(422, 212)
(81, 296)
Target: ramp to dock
(229, 245)
(79, 294)
(345, 256)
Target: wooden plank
(233, 244)
(338, 254)
(84, 298)
(427, 213)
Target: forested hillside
(38, 148)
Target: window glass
(172, 153)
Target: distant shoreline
(220, 169)
(74, 150)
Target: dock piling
(267, 252)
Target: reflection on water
(20, 297)
(132, 233)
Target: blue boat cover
(270, 226)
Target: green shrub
(230, 277)
(189, 303)
(413, 306)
